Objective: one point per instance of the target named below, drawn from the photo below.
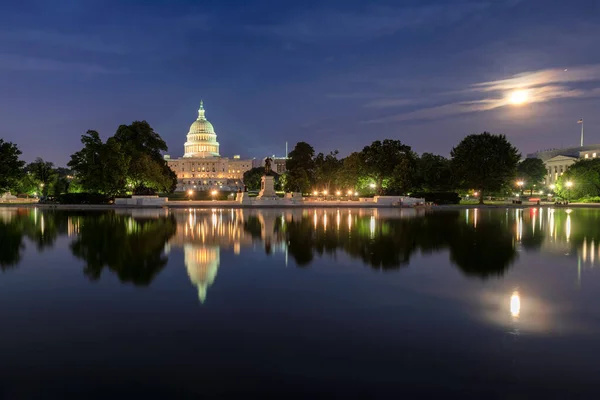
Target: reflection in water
(515, 304)
(132, 243)
(202, 264)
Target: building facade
(202, 167)
(558, 160)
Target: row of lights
(337, 193)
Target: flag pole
(582, 132)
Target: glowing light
(515, 304)
(552, 187)
(214, 192)
(325, 192)
(349, 192)
(190, 192)
(356, 193)
(315, 193)
(520, 183)
(569, 184)
(372, 186)
(338, 193)
(519, 97)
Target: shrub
(438, 197)
(83, 198)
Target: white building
(202, 167)
(558, 160)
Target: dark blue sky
(337, 74)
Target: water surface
(381, 303)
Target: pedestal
(267, 187)
(243, 198)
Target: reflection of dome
(201, 139)
(202, 263)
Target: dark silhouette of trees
(485, 162)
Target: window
(594, 155)
(587, 156)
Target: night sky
(337, 74)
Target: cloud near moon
(540, 86)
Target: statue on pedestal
(268, 168)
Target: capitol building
(202, 167)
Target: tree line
(130, 161)
(485, 163)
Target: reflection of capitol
(204, 233)
(202, 264)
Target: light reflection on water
(524, 271)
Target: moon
(518, 97)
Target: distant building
(558, 160)
(202, 167)
(278, 164)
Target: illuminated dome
(201, 138)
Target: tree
(100, 167)
(140, 142)
(300, 168)
(11, 167)
(485, 162)
(532, 171)
(380, 161)
(43, 172)
(253, 177)
(585, 178)
(326, 169)
(434, 172)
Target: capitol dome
(201, 138)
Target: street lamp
(569, 184)
(315, 193)
(213, 194)
(520, 185)
(349, 192)
(325, 192)
(338, 193)
(372, 186)
(190, 194)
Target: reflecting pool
(478, 303)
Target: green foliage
(390, 164)
(485, 162)
(300, 168)
(147, 169)
(434, 173)
(327, 168)
(43, 173)
(532, 172)
(131, 159)
(252, 178)
(350, 175)
(585, 178)
(11, 167)
(100, 167)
